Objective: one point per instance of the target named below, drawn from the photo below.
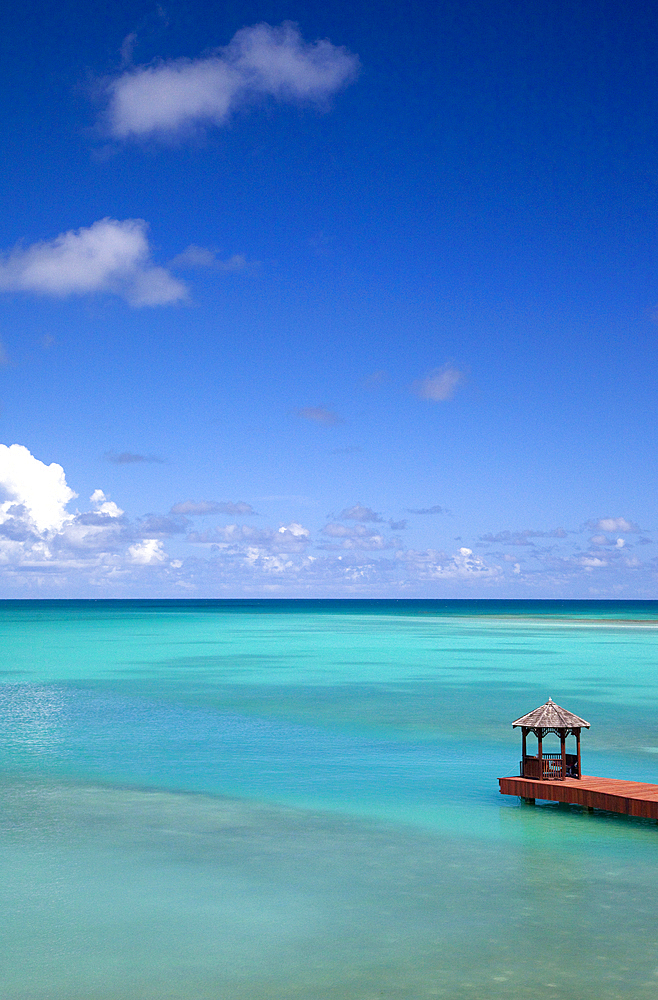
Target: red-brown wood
(633, 798)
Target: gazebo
(550, 718)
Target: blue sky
(308, 299)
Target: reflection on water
(304, 805)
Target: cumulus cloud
(359, 513)
(147, 552)
(319, 415)
(440, 385)
(294, 530)
(614, 524)
(50, 550)
(591, 562)
(462, 565)
(105, 506)
(129, 458)
(260, 61)
(232, 538)
(109, 256)
(619, 543)
(200, 507)
(39, 490)
(43, 543)
(356, 536)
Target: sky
(309, 299)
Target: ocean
(259, 800)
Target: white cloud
(45, 545)
(46, 550)
(260, 61)
(89, 533)
(39, 489)
(147, 552)
(255, 558)
(105, 506)
(603, 540)
(616, 524)
(440, 385)
(357, 536)
(108, 256)
(294, 530)
(463, 565)
(232, 538)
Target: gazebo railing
(551, 767)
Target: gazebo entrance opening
(547, 765)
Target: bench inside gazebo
(546, 719)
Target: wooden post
(540, 755)
(563, 740)
(580, 773)
(524, 730)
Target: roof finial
(549, 699)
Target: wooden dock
(633, 798)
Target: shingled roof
(551, 716)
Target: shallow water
(299, 799)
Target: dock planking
(633, 798)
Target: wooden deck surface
(634, 798)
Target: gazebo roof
(551, 716)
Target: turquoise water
(297, 799)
